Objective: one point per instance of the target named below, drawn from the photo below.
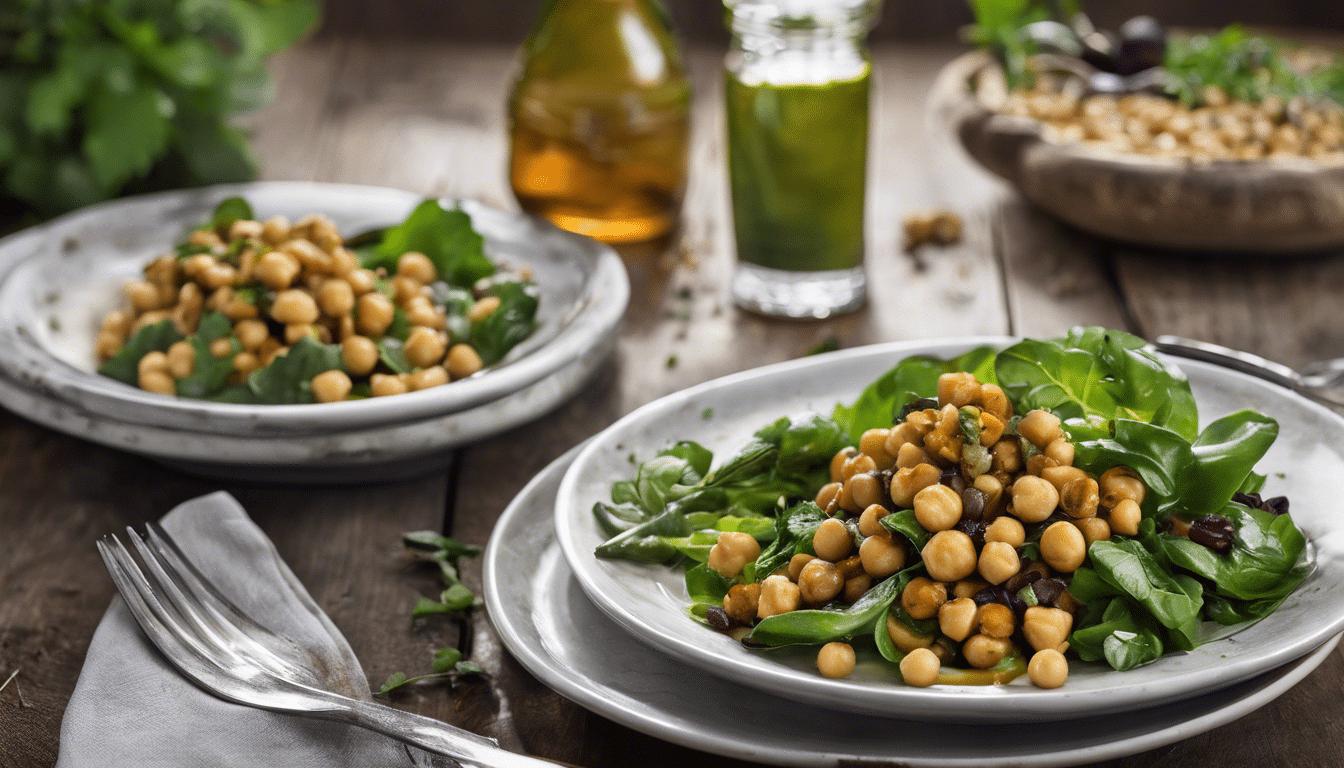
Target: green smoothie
(796, 160)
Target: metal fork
(224, 651)
(1320, 381)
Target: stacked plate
(58, 280)
(615, 636)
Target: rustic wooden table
(429, 118)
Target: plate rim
(945, 701)
(600, 306)
(670, 727)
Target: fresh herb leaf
(392, 353)
(228, 211)
(512, 322)
(814, 627)
(444, 235)
(209, 374)
(288, 379)
(124, 366)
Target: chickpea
(828, 494)
(343, 262)
(796, 564)
(993, 490)
(251, 334)
(1040, 428)
(937, 508)
(417, 266)
(866, 490)
(373, 314)
(870, 521)
(433, 376)
(731, 553)
(294, 306)
(275, 230)
(949, 555)
(958, 389)
(778, 595)
(462, 361)
(1046, 627)
(991, 429)
(901, 435)
(143, 296)
(296, 331)
(905, 483)
(1037, 463)
(361, 281)
(483, 308)
(1048, 669)
(1063, 547)
(336, 298)
(819, 582)
(195, 266)
(153, 361)
(1034, 498)
(118, 323)
(1060, 450)
(331, 386)
(832, 541)
(958, 618)
(742, 602)
(149, 318)
(838, 462)
(1125, 518)
(108, 344)
(313, 258)
(904, 638)
(405, 290)
(359, 354)
(424, 347)
(920, 668)
(1005, 530)
(276, 270)
(181, 359)
(835, 660)
(246, 363)
(994, 400)
(998, 562)
(968, 587)
(922, 598)
(997, 620)
(911, 455)
(874, 444)
(1005, 456)
(881, 556)
(983, 652)
(1060, 476)
(382, 385)
(858, 464)
(1119, 483)
(1079, 498)
(856, 586)
(158, 382)
(1093, 529)
(845, 499)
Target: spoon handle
(1230, 358)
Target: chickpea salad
(274, 312)
(976, 519)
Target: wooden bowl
(1270, 206)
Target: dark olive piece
(973, 527)
(719, 619)
(1214, 532)
(1022, 578)
(1048, 591)
(1143, 45)
(972, 504)
(1278, 505)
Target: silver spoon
(1319, 381)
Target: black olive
(973, 527)
(1099, 49)
(1048, 591)
(1277, 505)
(1214, 532)
(952, 478)
(718, 619)
(1143, 44)
(972, 504)
(1021, 579)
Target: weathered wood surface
(428, 117)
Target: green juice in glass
(797, 155)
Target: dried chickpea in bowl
(281, 312)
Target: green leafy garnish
(209, 374)
(444, 235)
(124, 366)
(288, 379)
(513, 321)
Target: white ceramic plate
(651, 601)
(543, 617)
(67, 275)
(379, 453)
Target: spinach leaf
(812, 627)
(288, 379)
(1173, 600)
(667, 477)
(513, 321)
(445, 236)
(1266, 562)
(794, 530)
(705, 585)
(209, 374)
(1120, 636)
(648, 542)
(1190, 479)
(912, 378)
(124, 366)
(1098, 373)
(903, 521)
(391, 351)
(228, 211)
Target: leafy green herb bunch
(100, 98)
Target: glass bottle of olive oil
(600, 120)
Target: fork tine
(178, 646)
(204, 606)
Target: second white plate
(651, 601)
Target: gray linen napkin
(131, 708)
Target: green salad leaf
(912, 378)
(124, 366)
(1266, 562)
(288, 380)
(813, 627)
(209, 373)
(446, 236)
(513, 321)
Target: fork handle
(1231, 358)
(435, 736)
